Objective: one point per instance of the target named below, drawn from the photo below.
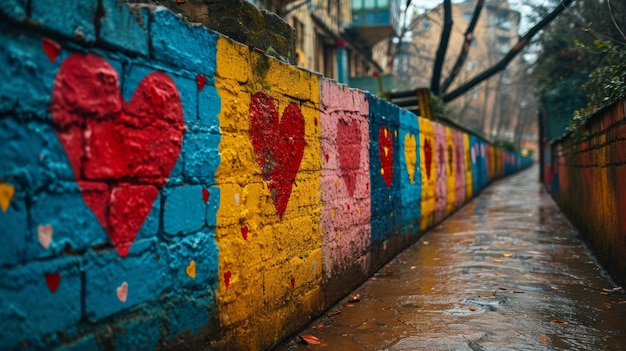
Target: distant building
(341, 39)
(494, 107)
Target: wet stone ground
(506, 272)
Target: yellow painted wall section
(428, 171)
(265, 291)
(451, 180)
(468, 167)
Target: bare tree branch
(469, 36)
(500, 65)
(443, 46)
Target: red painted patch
(326, 157)
(205, 195)
(51, 48)
(385, 149)
(244, 232)
(428, 156)
(293, 282)
(53, 280)
(278, 146)
(348, 207)
(200, 81)
(227, 276)
(349, 147)
(315, 120)
(123, 143)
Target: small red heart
(121, 153)
(205, 195)
(349, 148)
(200, 81)
(51, 48)
(326, 157)
(428, 156)
(227, 276)
(293, 282)
(385, 149)
(53, 280)
(244, 232)
(278, 146)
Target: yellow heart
(410, 155)
(6, 194)
(191, 269)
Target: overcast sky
(523, 6)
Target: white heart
(122, 292)
(44, 234)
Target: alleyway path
(506, 272)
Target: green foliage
(437, 106)
(507, 145)
(607, 83)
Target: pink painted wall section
(459, 166)
(345, 179)
(440, 157)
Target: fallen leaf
(310, 339)
(607, 305)
(486, 296)
(497, 273)
(484, 248)
(350, 305)
(413, 267)
(498, 260)
(518, 292)
(544, 339)
(478, 275)
(317, 326)
(472, 309)
(507, 254)
(425, 243)
(355, 298)
(554, 287)
(332, 313)
(559, 321)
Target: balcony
(374, 20)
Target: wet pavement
(506, 272)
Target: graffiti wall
(587, 177)
(163, 187)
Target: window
(473, 94)
(369, 4)
(467, 16)
(471, 65)
(357, 4)
(503, 44)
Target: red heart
(278, 146)
(385, 149)
(227, 276)
(51, 48)
(428, 156)
(121, 153)
(53, 280)
(244, 232)
(349, 147)
(205, 195)
(200, 81)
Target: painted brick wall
(162, 187)
(587, 177)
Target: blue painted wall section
(411, 194)
(65, 285)
(386, 198)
